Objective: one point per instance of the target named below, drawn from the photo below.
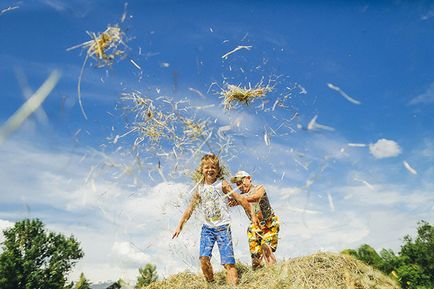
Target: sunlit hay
(194, 130)
(319, 271)
(104, 48)
(162, 119)
(180, 280)
(155, 124)
(234, 93)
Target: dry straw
(104, 48)
(319, 271)
(234, 93)
(30, 106)
(161, 122)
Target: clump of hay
(319, 271)
(163, 123)
(194, 130)
(104, 48)
(151, 122)
(234, 93)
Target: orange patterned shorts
(267, 233)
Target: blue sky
(329, 193)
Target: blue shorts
(221, 235)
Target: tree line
(34, 258)
(412, 266)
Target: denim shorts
(221, 235)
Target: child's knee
(266, 248)
(205, 260)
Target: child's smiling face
(209, 171)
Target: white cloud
(129, 254)
(384, 148)
(4, 224)
(426, 97)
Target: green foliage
(33, 258)
(83, 283)
(389, 261)
(368, 254)
(421, 250)
(412, 276)
(413, 266)
(147, 275)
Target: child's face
(209, 170)
(244, 184)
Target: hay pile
(319, 271)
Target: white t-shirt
(214, 205)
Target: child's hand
(176, 233)
(255, 220)
(232, 203)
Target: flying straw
(349, 98)
(10, 8)
(27, 91)
(409, 168)
(196, 91)
(313, 125)
(30, 106)
(331, 203)
(235, 50)
(222, 130)
(135, 64)
(371, 187)
(357, 145)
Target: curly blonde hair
(221, 170)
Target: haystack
(318, 271)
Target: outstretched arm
(227, 189)
(187, 214)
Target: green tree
(368, 255)
(83, 283)
(412, 276)
(421, 250)
(390, 261)
(414, 264)
(147, 275)
(33, 258)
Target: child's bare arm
(227, 189)
(187, 214)
(257, 196)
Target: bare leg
(269, 257)
(256, 261)
(206, 266)
(231, 274)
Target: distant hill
(319, 271)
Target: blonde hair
(198, 174)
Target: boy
(263, 238)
